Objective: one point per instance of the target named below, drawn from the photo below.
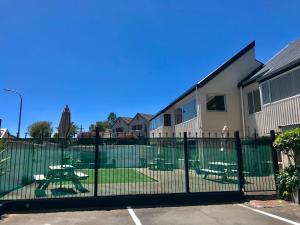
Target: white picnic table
(60, 173)
(220, 168)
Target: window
(119, 129)
(281, 87)
(186, 111)
(254, 102)
(178, 115)
(155, 123)
(216, 103)
(297, 80)
(189, 110)
(265, 89)
(167, 119)
(256, 99)
(137, 127)
(250, 103)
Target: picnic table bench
(222, 169)
(60, 173)
(160, 164)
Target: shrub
(288, 142)
(40, 129)
(287, 180)
(3, 159)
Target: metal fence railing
(63, 168)
(258, 165)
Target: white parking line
(133, 216)
(270, 215)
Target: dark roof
(286, 59)
(127, 120)
(146, 116)
(209, 77)
(247, 79)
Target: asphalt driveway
(184, 215)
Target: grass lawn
(116, 175)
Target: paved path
(185, 215)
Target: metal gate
(48, 169)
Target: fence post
(274, 156)
(96, 162)
(238, 147)
(186, 163)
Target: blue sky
(124, 56)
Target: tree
(40, 129)
(74, 129)
(289, 142)
(112, 117)
(3, 158)
(287, 179)
(101, 124)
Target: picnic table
(160, 164)
(60, 173)
(223, 169)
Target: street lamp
(20, 113)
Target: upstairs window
(216, 103)
(119, 129)
(265, 91)
(167, 120)
(155, 123)
(254, 104)
(178, 115)
(186, 111)
(189, 110)
(281, 87)
(137, 127)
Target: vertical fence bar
(238, 147)
(274, 157)
(186, 163)
(96, 162)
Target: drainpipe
(243, 115)
(198, 111)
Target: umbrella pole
(61, 163)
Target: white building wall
(120, 124)
(226, 84)
(273, 115)
(139, 120)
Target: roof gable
(286, 59)
(127, 120)
(145, 116)
(209, 77)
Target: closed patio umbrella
(65, 123)
(63, 130)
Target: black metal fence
(65, 168)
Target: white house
(121, 126)
(211, 104)
(139, 125)
(4, 133)
(271, 95)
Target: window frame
(181, 107)
(290, 72)
(251, 92)
(170, 119)
(153, 121)
(214, 95)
